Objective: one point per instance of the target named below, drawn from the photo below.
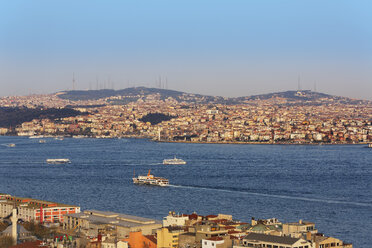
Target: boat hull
(58, 161)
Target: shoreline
(193, 142)
(256, 143)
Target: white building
(212, 242)
(174, 219)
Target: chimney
(14, 219)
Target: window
(212, 244)
(205, 242)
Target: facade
(92, 221)
(299, 229)
(35, 210)
(168, 237)
(174, 219)
(216, 242)
(325, 242)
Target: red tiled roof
(215, 238)
(193, 216)
(152, 238)
(211, 216)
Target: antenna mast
(73, 81)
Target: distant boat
(151, 180)
(370, 145)
(174, 161)
(58, 138)
(36, 136)
(79, 136)
(42, 141)
(58, 161)
(11, 145)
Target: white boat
(42, 141)
(36, 136)
(11, 145)
(58, 161)
(174, 161)
(151, 180)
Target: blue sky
(228, 48)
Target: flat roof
(31, 203)
(111, 218)
(271, 238)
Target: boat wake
(300, 198)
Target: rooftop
(105, 217)
(271, 238)
(29, 202)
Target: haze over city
(226, 48)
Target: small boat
(36, 136)
(151, 180)
(42, 141)
(370, 145)
(58, 161)
(11, 145)
(58, 138)
(174, 161)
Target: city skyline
(214, 48)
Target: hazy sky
(228, 48)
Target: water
(330, 185)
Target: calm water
(330, 185)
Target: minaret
(14, 220)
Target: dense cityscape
(185, 124)
(191, 118)
(40, 223)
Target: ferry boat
(174, 161)
(151, 180)
(58, 161)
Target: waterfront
(330, 185)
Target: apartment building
(35, 210)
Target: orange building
(137, 240)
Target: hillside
(133, 94)
(11, 117)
